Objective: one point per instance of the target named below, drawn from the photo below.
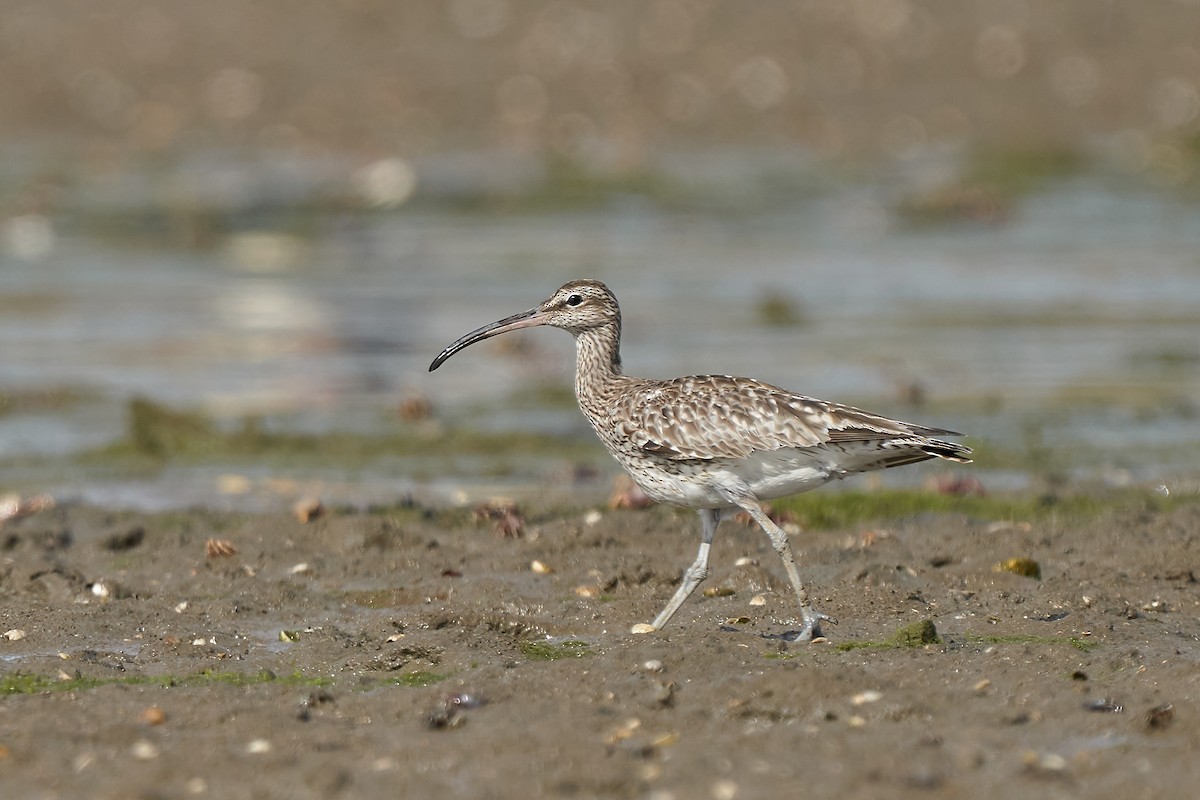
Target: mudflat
(417, 652)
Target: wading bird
(715, 443)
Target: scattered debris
(623, 731)
(450, 712)
(1049, 764)
(314, 700)
(507, 520)
(219, 548)
(1159, 717)
(152, 715)
(664, 693)
(14, 635)
(1020, 566)
(1001, 526)
(125, 540)
(308, 509)
(870, 537)
(14, 507)
(143, 750)
(1103, 706)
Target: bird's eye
(574, 300)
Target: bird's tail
(951, 451)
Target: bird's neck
(597, 361)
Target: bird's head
(577, 306)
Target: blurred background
(233, 235)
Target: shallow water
(1080, 312)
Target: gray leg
(779, 540)
(693, 576)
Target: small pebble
(1046, 762)
(256, 746)
(758, 600)
(623, 731)
(143, 750)
(540, 567)
(982, 686)
(746, 561)
(587, 591)
(653, 665)
(153, 715)
(642, 627)
(592, 517)
(308, 509)
(724, 790)
(14, 635)
(869, 696)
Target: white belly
(766, 475)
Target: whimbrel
(714, 443)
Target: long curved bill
(526, 319)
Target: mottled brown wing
(715, 416)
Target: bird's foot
(812, 625)
(643, 627)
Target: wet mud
(423, 653)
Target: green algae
(914, 634)
(1081, 644)
(836, 510)
(156, 433)
(33, 683)
(546, 651)
(418, 679)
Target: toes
(806, 634)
